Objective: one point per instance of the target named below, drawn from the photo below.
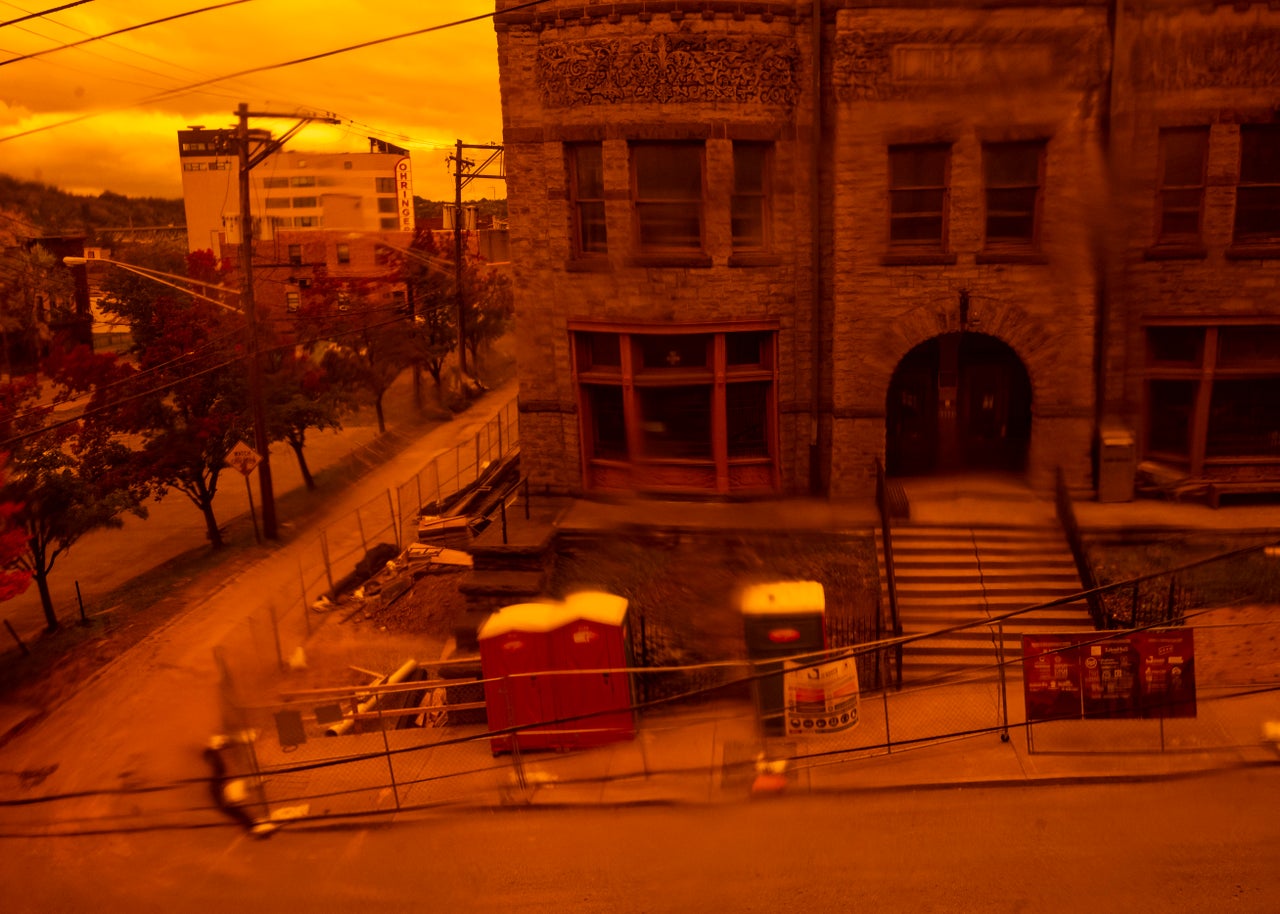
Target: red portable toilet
(517, 640)
(592, 650)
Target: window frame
(640, 204)
(742, 451)
(1164, 189)
(762, 197)
(1032, 242)
(342, 252)
(901, 216)
(1270, 236)
(580, 200)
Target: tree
(428, 277)
(303, 395)
(358, 335)
(14, 576)
(66, 479)
(35, 291)
(491, 305)
(188, 402)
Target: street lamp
(255, 375)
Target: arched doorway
(960, 401)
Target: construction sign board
(820, 698)
(1109, 675)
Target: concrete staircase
(954, 574)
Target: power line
(266, 68)
(42, 13)
(130, 28)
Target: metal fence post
(364, 543)
(328, 566)
(395, 525)
(391, 768)
(888, 737)
(1004, 687)
(306, 607)
(275, 631)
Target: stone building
(760, 246)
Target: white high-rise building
(355, 191)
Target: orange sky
(422, 93)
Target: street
(1199, 844)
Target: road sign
(243, 458)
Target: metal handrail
(1071, 527)
(882, 503)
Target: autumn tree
(35, 292)
(358, 334)
(429, 280)
(14, 576)
(491, 306)
(188, 403)
(65, 479)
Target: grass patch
(1229, 581)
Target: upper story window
(667, 193)
(292, 300)
(750, 206)
(1258, 192)
(1183, 154)
(344, 253)
(386, 204)
(295, 254)
(303, 181)
(1012, 175)
(306, 221)
(305, 202)
(278, 202)
(918, 191)
(384, 185)
(389, 223)
(586, 189)
(275, 182)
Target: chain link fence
(344, 557)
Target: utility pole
(248, 159)
(462, 176)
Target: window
(292, 301)
(1183, 153)
(295, 254)
(306, 221)
(193, 166)
(272, 183)
(386, 204)
(278, 203)
(344, 253)
(668, 196)
(389, 224)
(304, 203)
(302, 181)
(1258, 193)
(918, 196)
(384, 185)
(749, 207)
(678, 410)
(586, 185)
(1213, 395)
(1012, 173)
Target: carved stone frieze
(667, 69)
(1226, 59)
(882, 65)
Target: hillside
(29, 208)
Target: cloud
(423, 92)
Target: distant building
(297, 264)
(291, 191)
(756, 257)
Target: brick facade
(850, 309)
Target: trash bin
(1117, 464)
(781, 619)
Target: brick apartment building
(755, 249)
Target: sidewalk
(143, 719)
